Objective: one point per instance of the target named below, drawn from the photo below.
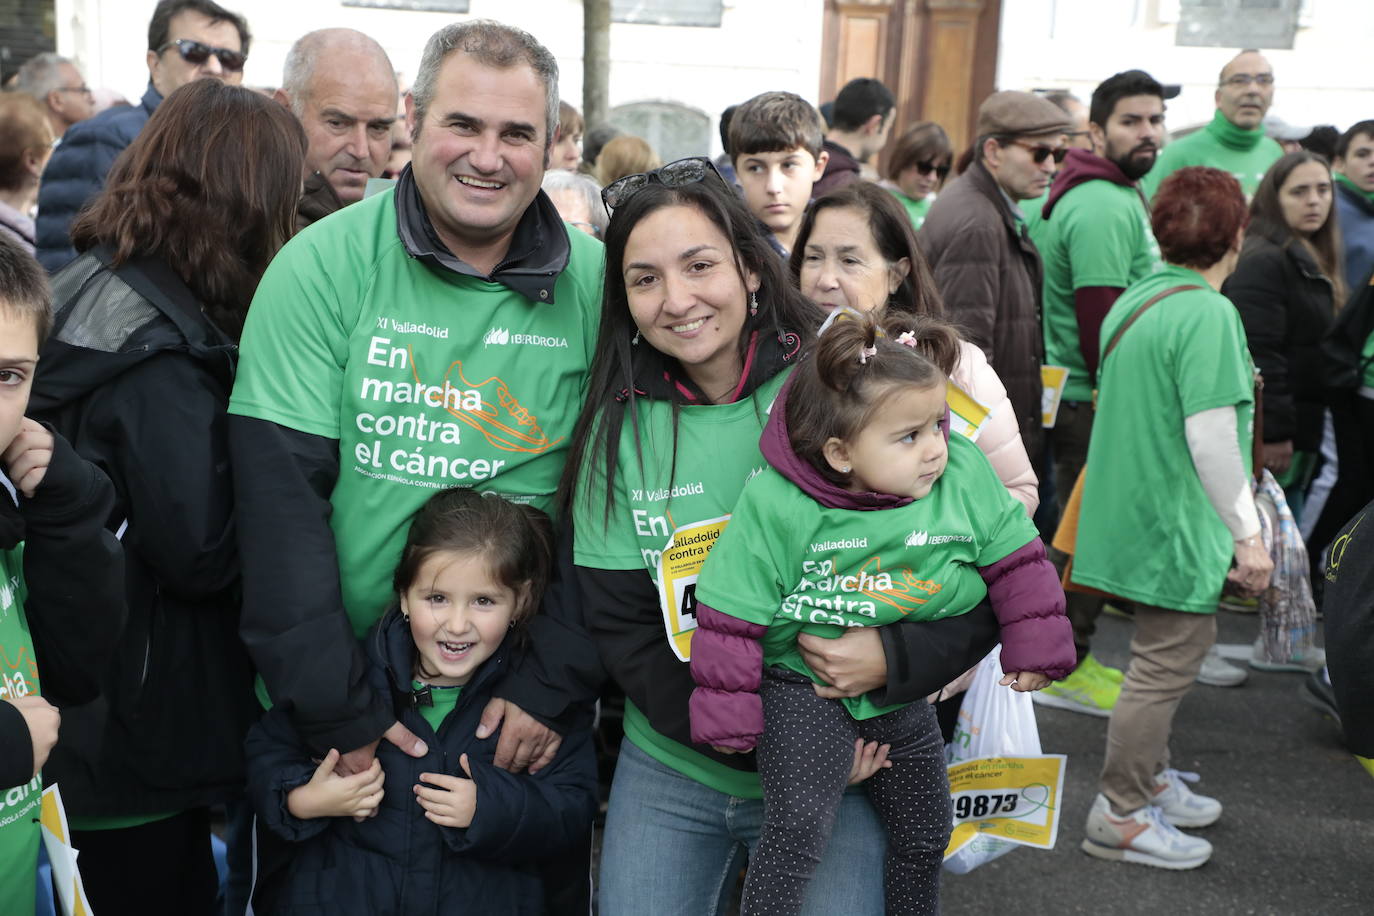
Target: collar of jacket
(768, 353)
(1080, 167)
(392, 649)
(318, 201)
(1354, 193)
(538, 253)
(981, 180)
(151, 99)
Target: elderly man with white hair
(340, 84)
(578, 199)
(59, 87)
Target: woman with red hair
(1167, 506)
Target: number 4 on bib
(678, 569)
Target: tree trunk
(596, 61)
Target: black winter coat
(138, 381)
(399, 862)
(1287, 305)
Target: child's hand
(868, 759)
(28, 455)
(1024, 681)
(328, 794)
(454, 802)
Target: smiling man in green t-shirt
(1094, 238)
(435, 335)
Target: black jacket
(138, 379)
(399, 862)
(1348, 613)
(74, 577)
(293, 618)
(1286, 304)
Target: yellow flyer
(1010, 798)
(678, 569)
(967, 416)
(71, 894)
(1052, 380)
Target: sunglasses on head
(194, 52)
(925, 168)
(675, 174)
(1039, 152)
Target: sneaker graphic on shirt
(1142, 837)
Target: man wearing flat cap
(985, 264)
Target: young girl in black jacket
(448, 832)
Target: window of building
(667, 12)
(674, 131)
(1237, 23)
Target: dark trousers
(164, 867)
(1072, 430)
(804, 759)
(1352, 418)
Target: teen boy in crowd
(775, 143)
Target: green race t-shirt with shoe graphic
(1098, 234)
(674, 495)
(1147, 530)
(427, 379)
(788, 563)
(19, 805)
(1246, 154)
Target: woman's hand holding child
(1024, 681)
(328, 794)
(454, 802)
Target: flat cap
(1016, 113)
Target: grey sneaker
(1180, 805)
(1217, 672)
(1142, 837)
(1310, 659)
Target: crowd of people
(361, 441)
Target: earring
(634, 341)
(845, 469)
(753, 303)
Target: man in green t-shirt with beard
(1234, 139)
(1094, 238)
(435, 335)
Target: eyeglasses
(1039, 152)
(84, 90)
(675, 174)
(194, 52)
(1241, 80)
(925, 168)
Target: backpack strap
(1111, 344)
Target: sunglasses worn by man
(197, 53)
(675, 174)
(1040, 152)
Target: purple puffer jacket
(727, 653)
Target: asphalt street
(1296, 836)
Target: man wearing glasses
(985, 264)
(1234, 141)
(59, 86)
(187, 40)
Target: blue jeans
(675, 847)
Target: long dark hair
(1266, 219)
(782, 312)
(892, 232)
(210, 187)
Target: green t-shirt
(916, 209)
(794, 566)
(427, 379)
(1148, 531)
(19, 805)
(442, 702)
(1367, 357)
(1098, 234)
(1246, 154)
(673, 502)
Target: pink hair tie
(907, 339)
(865, 353)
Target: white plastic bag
(994, 721)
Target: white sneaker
(1305, 661)
(1217, 672)
(1142, 837)
(1180, 805)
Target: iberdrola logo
(496, 336)
(917, 539)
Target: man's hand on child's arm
(524, 742)
(328, 794)
(453, 802)
(1024, 681)
(358, 760)
(27, 458)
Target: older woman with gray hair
(578, 199)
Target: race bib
(1052, 381)
(1008, 798)
(967, 416)
(678, 568)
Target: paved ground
(1296, 838)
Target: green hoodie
(1246, 154)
